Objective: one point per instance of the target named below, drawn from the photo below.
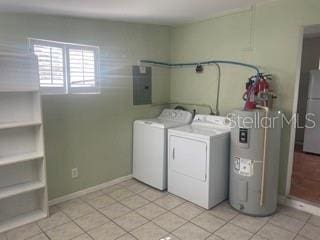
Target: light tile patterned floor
(132, 210)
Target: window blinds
(82, 68)
(51, 65)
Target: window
(82, 72)
(66, 67)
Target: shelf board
(19, 124)
(20, 188)
(22, 220)
(20, 158)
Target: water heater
(254, 161)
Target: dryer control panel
(176, 115)
(211, 121)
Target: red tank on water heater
(258, 92)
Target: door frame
(294, 111)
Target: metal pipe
(234, 63)
(155, 62)
(216, 62)
(203, 63)
(266, 109)
(218, 89)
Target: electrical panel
(142, 85)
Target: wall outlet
(74, 172)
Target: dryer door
(188, 157)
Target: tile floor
(131, 210)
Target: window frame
(67, 89)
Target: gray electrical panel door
(142, 87)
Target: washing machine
(198, 160)
(150, 146)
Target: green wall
(266, 35)
(93, 132)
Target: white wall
(93, 132)
(268, 36)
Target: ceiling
(166, 12)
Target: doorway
(305, 178)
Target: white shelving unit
(23, 185)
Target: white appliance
(312, 135)
(150, 146)
(198, 160)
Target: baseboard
(88, 190)
(299, 204)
